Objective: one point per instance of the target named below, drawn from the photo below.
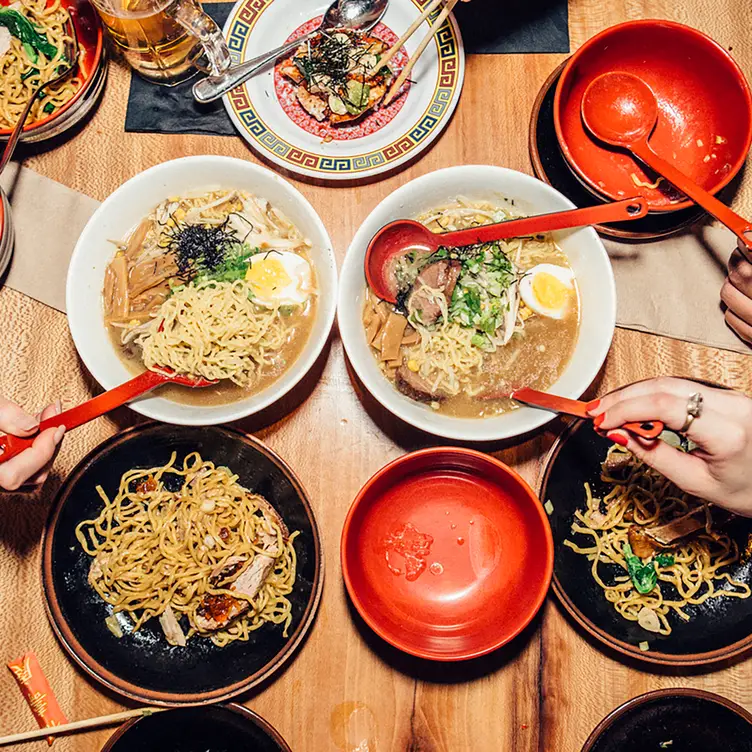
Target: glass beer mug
(162, 40)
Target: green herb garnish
(664, 560)
(22, 29)
(643, 576)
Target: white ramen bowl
(123, 210)
(586, 255)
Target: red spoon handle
(618, 211)
(93, 408)
(648, 429)
(737, 224)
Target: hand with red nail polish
(719, 469)
(31, 466)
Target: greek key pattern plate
(248, 115)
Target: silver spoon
(358, 15)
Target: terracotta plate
(705, 109)
(212, 728)
(447, 554)
(718, 629)
(141, 664)
(683, 720)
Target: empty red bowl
(705, 110)
(447, 553)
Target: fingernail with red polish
(592, 405)
(617, 438)
(599, 419)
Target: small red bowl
(487, 568)
(705, 110)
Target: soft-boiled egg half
(548, 290)
(279, 278)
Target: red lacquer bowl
(705, 110)
(487, 568)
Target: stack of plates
(6, 233)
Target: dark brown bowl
(692, 720)
(551, 167)
(231, 727)
(718, 629)
(142, 665)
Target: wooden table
(544, 692)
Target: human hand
(718, 470)
(33, 464)
(736, 293)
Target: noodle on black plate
(190, 546)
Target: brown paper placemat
(672, 287)
(669, 287)
(48, 217)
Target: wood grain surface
(345, 691)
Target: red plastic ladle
(93, 408)
(621, 110)
(405, 235)
(647, 429)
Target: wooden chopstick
(403, 76)
(89, 723)
(397, 46)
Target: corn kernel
(413, 365)
(179, 214)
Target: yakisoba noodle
(20, 76)
(156, 549)
(214, 330)
(642, 497)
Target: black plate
(692, 720)
(212, 728)
(718, 629)
(550, 166)
(143, 665)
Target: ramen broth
(225, 392)
(217, 285)
(489, 319)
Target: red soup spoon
(621, 110)
(93, 408)
(405, 235)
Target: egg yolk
(549, 291)
(267, 277)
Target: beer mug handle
(190, 16)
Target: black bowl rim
(625, 648)
(659, 694)
(235, 707)
(80, 655)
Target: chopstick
(89, 723)
(397, 85)
(397, 46)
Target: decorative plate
(268, 116)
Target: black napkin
(488, 27)
(514, 26)
(172, 109)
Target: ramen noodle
(216, 285)
(624, 533)
(471, 324)
(188, 545)
(34, 35)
